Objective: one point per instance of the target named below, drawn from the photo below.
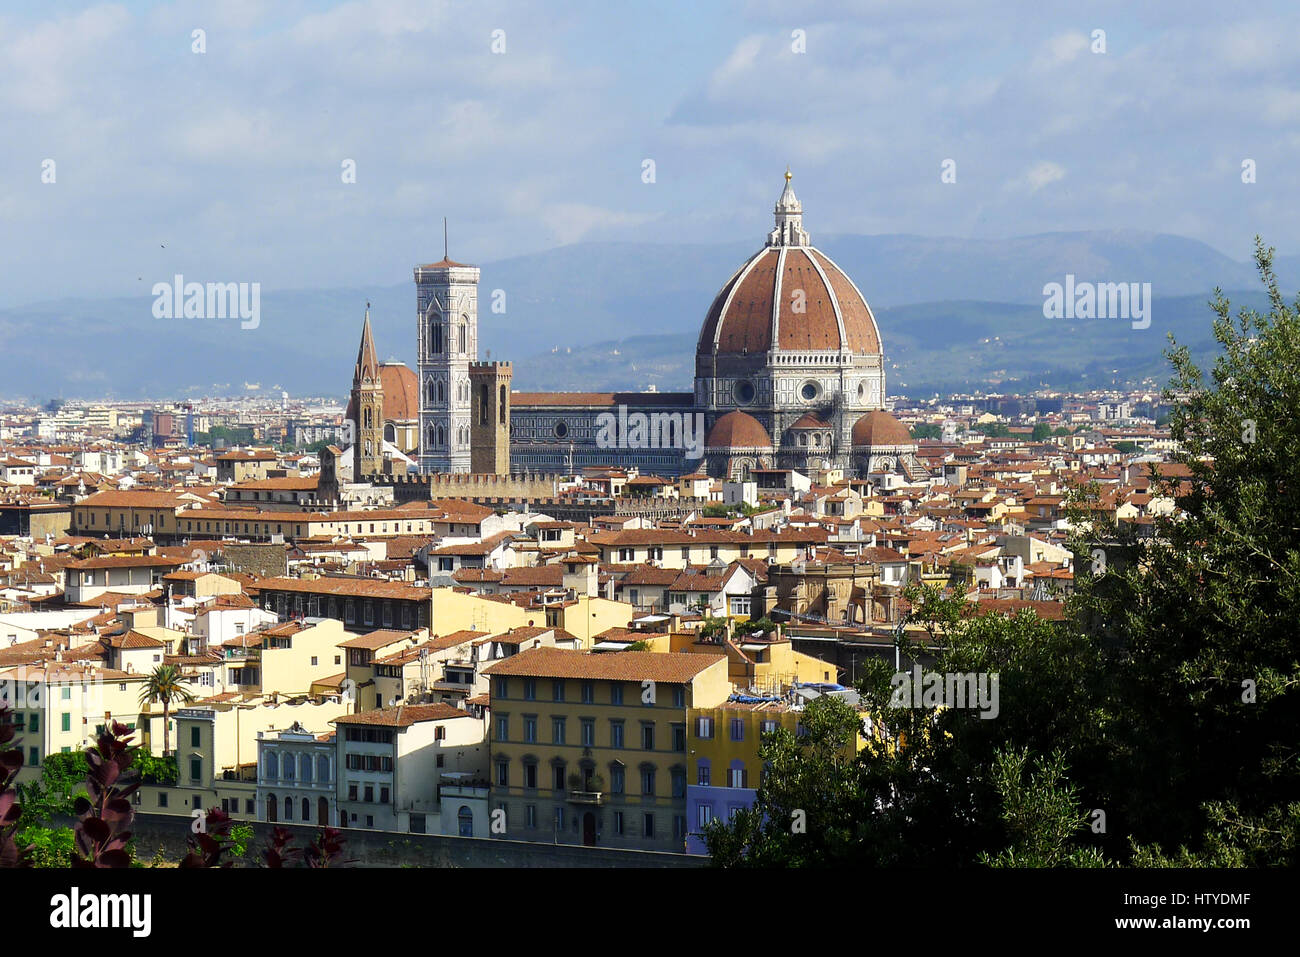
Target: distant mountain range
(954, 314)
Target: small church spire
(367, 359)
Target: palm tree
(165, 686)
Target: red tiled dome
(742, 318)
(878, 429)
(809, 421)
(401, 394)
(738, 430)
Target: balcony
(587, 797)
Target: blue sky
(226, 165)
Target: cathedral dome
(789, 296)
(879, 429)
(401, 394)
(738, 430)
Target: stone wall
(168, 833)
(267, 560)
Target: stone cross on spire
(789, 229)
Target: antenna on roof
(445, 254)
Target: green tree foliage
(1041, 814)
(926, 430)
(1042, 432)
(165, 686)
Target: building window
(530, 729)
(679, 697)
(503, 686)
(196, 769)
(530, 689)
(194, 737)
(648, 781)
(557, 690)
(588, 732)
(616, 734)
(503, 774)
(704, 728)
(737, 778)
(557, 777)
(465, 821)
(503, 727)
(588, 692)
(705, 774)
(530, 776)
(679, 737)
(737, 729)
(557, 730)
(618, 823)
(616, 693)
(705, 815)
(530, 816)
(647, 825)
(647, 737)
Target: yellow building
(725, 767)
(592, 748)
(759, 664)
(61, 707)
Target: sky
(530, 125)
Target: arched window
(288, 808)
(465, 821)
(464, 333)
(428, 391)
(442, 437)
(323, 768)
(441, 391)
(271, 766)
(369, 418)
(306, 809)
(390, 433)
(501, 406)
(435, 335)
(432, 436)
(304, 771)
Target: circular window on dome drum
(561, 430)
(809, 391)
(862, 390)
(745, 392)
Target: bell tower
(447, 310)
(368, 401)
